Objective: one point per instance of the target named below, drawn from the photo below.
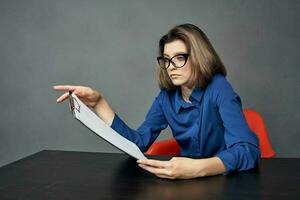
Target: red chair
(257, 125)
(255, 122)
(164, 147)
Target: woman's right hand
(87, 95)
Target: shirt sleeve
(242, 150)
(148, 131)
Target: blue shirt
(213, 124)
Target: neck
(186, 92)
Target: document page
(100, 128)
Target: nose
(172, 66)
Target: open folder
(81, 112)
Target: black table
(82, 175)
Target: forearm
(142, 137)
(183, 167)
(104, 111)
(210, 166)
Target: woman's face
(178, 76)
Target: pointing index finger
(64, 88)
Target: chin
(178, 83)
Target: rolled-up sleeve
(148, 131)
(242, 150)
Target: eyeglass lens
(177, 61)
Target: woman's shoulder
(219, 82)
(165, 95)
(218, 79)
(219, 87)
(161, 95)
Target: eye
(180, 57)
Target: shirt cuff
(228, 160)
(117, 124)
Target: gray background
(112, 45)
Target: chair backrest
(164, 147)
(257, 125)
(255, 122)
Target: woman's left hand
(176, 168)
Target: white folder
(100, 128)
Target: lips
(174, 75)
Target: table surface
(83, 175)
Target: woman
(198, 104)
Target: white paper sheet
(100, 128)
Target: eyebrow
(181, 52)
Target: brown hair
(205, 62)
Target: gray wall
(111, 46)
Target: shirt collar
(196, 95)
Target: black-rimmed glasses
(178, 61)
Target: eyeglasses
(178, 61)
